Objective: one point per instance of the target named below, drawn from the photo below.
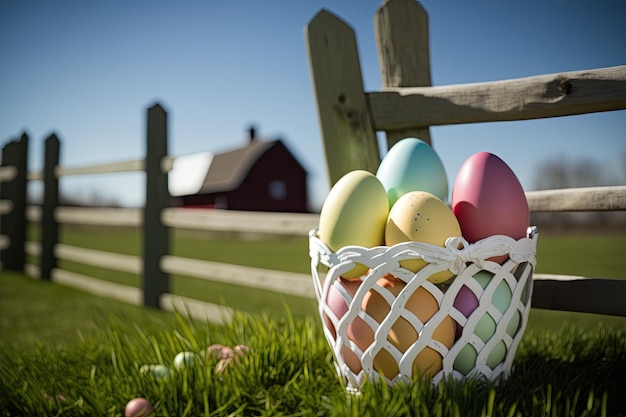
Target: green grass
(56, 340)
(33, 312)
(597, 256)
(87, 357)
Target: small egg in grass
(138, 407)
(159, 371)
(185, 360)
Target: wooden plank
(101, 288)
(277, 281)
(99, 216)
(402, 41)
(5, 207)
(349, 141)
(562, 94)
(31, 271)
(32, 248)
(197, 309)
(102, 259)
(241, 221)
(33, 213)
(156, 236)
(49, 225)
(34, 175)
(108, 168)
(7, 173)
(5, 241)
(578, 199)
(579, 294)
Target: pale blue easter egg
(412, 165)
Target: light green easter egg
(465, 360)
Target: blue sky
(89, 70)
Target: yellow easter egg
(354, 213)
(419, 216)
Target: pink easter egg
(488, 199)
(339, 307)
(337, 302)
(138, 407)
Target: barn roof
(228, 169)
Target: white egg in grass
(185, 360)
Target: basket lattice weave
(464, 260)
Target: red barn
(261, 176)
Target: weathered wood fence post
(349, 139)
(401, 31)
(155, 233)
(13, 223)
(49, 224)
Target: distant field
(594, 256)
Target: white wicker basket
(356, 361)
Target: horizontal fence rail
(240, 221)
(563, 94)
(7, 173)
(4, 242)
(559, 292)
(130, 217)
(5, 206)
(101, 259)
(611, 198)
(277, 281)
(107, 168)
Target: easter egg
(338, 305)
(138, 407)
(402, 334)
(184, 360)
(354, 213)
(336, 300)
(488, 199)
(411, 165)
(420, 216)
(466, 302)
(486, 326)
(158, 371)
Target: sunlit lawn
(56, 340)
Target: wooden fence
(406, 106)
(156, 219)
